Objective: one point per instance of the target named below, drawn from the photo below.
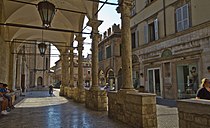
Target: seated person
(5, 92)
(4, 103)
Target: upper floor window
(148, 1)
(133, 8)
(134, 39)
(182, 18)
(151, 31)
(108, 52)
(100, 55)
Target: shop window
(187, 80)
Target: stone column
(64, 81)
(18, 74)
(80, 92)
(95, 39)
(11, 68)
(125, 10)
(72, 67)
(95, 98)
(71, 86)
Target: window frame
(182, 20)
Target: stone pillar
(125, 10)
(64, 81)
(79, 91)
(11, 68)
(71, 87)
(95, 98)
(95, 39)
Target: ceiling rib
(61, 9)
(41, 28)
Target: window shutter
(137, 39)
(156, 29)
(146, 2)
(179, 19)
(146, 33)
(185, 16)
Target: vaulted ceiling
(25, 12)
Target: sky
(109, 16)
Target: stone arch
(110, 78)
(135, 59)
(166, 53)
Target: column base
(79, 95)
(70, 92)
(96, 99)
(66, 91)
(61, 93)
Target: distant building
(109, 55)
(31, 68)
(170, 44)
(86, 70)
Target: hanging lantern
(47, 12)
(42, 48)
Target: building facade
(170, 39)
(57, 71)
(110, 64)
(32, 69)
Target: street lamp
(47, 12)
(42, 48)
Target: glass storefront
(154, 81)
(187, 80)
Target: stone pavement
(39, 110)
(167, 113)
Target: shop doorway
(154, 82)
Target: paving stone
(39, 110)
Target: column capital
(71, 48)
(123, 4)
(94, 23)
(80, 38)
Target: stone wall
(194, 113)
(96, 99)
(79, 95)
(135, 109)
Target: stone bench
(194, 113)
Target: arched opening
(102, 80)
(39, 81)
(110, 80)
